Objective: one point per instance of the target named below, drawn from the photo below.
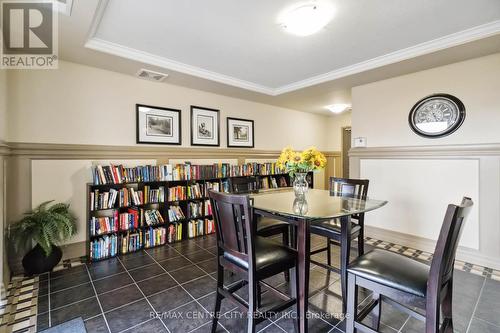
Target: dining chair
(254, 258)
(353, 188)
(266, 227)
(420, 290)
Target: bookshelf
(130, 209)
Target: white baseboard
(424, 244)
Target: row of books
(155, 237)
(195, 209)
(104, 247)
(194, 191)
(177, 193)
(175, 213)
(118, 174)
(129, 220)
(200, 227)
(208, 208)
(151, 217)
(123, 198)
(131, 242)
(109, 245)
(154, 195)
(103, 200)
(174, 232)
(103, 225)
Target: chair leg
(344, 262)
(361, 243)
(286, 242)
(259, 295)
(377, 311)
(329, 252)
(432, 313)
(252, 304)
(352, 303)
(294, 286)
(218, 297)
(447, 308)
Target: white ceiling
(236, 47)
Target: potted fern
(46, 227)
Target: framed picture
(204, 126)
(240, 133)
(158, 125)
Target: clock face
(437, 115)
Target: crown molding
(455, 39)
(438, 44)
(101, 45)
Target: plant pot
(35, 261)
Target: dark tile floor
(171, 289)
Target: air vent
(147, 74)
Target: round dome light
(306, 19)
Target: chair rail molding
(82, 151)
(441, 151)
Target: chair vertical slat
(437, 299)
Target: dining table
(302, 211)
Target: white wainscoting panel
(66, 181)
(418, 192)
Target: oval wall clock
(437, 115)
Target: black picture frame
(461, 116)
(139, 134)
(197, 141)
(229, 129)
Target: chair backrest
(444, 254)
(244, 185)
(233, 225)
(353, 188)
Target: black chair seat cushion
(392, 270)
(331, 227)
(271, 257)
(266, 224)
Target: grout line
(402, 326)
(487, 322)
(107, 276)
(66, 289)
(140, 290)
(72, 303)
(475, 306)
(209, 312)
(98, 301)
(188, 260)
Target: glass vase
(300, 185)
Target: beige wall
(85, 105)
(3, 104)
(381, 108)
(334, 130)
(465, 163)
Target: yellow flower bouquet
(294, 162)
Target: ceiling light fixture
(338, 108)
(306, 18)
